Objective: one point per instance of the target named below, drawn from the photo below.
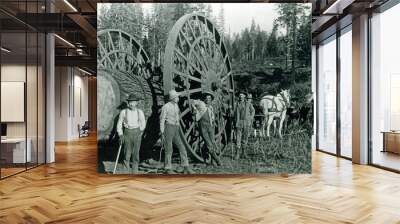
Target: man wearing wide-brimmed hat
(130, 126)
(205, 117)
(242, 113)
(170, 128)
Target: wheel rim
(122, 61)
(120, 51)
(196, 60)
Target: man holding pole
(130, 126)
(170, 133)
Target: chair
(84, 130)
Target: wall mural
(199, 88)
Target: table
(391, 141)
(13, 150)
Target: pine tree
(252, 38)
(247, 44)
(221, 19)
(271, 48)
(303, 48)
(289, 15)
(259, 43)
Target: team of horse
(276, 109)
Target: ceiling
(75, 21)
(332, 15)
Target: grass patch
(290, 154)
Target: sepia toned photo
(201, 88)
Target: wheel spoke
(203, 25)
(214, 37)
(186, 38)
(222, 129)
(191, 91)
(182, 55)
(182, 123)
(190, 129)
(190, 63)
(110, 41)
(187, 76)
(120, 41)
(196, 145)
(182, 44)
(105, 54)
(187, 110)
(138, 56)
(210, 50)
(226, 76)
(204, 57)
(203, 64)
(227, 89)
(100, 52)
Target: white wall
(14, 73)
(61, 103)
(79, 117)
(70, 81)
(34, 125)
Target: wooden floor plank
(71, 191)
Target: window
(327, 95)
(346, 92)
(385, 89)
(22, 77)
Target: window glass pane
(385, 87)
(327, 96)
(41, 98)
(13, 86)
(31, 97)
(23, 89)
(346, 93)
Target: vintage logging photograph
(204, 88)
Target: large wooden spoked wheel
(122, 66)
(195, 61)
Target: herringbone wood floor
(71, 191)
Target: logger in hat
(130, 127)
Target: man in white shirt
(130, 126)
(170, 128)
(205, 117)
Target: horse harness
(275, 106)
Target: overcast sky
(238, 16)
